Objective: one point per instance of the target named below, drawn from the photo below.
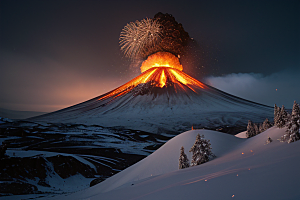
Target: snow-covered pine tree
(266, 124)
(282, 118)
(256, 129)
(250, 129)
(261, 128)
(183, 160)
(276, 113)
(269, 140)
(201, 151)
(293, 125)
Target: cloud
(280, 88)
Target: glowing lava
(163, 70)
(161, 59)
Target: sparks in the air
(161, 59)
(138, 37)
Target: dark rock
(17, 188)
(97, 180)
(66, 166)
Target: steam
(281, 88)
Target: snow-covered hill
(243, 169)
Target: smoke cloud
(280, 88)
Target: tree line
(282, 119)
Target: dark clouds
(281, 88)
(58, 53)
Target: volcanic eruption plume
(162, 97)
(163, 33)
(160, 41)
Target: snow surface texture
(159, 110)
(243, 169)
(241, 134)
(95, 151)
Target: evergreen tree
(276, 113)
(250, 129)
(293, 125)
(282, 117)
(183, 160)
(261, 128)
(256, 129)
(269, 140)
(266, 125)
(201, 151)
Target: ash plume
(163, 33)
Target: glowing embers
(161, 59)
(159, 77)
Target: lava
(161, 77)
(161, 59)
(160, 70)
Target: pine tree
(261, 128)
(183, 160)
(293, 125)
(266, 125)
(250, 129)
(269, 140)
(276, 113)
(282, 117)
(201, 151)
(256, 129)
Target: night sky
(55, 54)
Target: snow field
(243, 169)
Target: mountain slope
(163, 99)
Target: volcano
(162, 99)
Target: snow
(32, 153)
(243, 169)
(163, 110)
(241, 134)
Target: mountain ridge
(162, 98)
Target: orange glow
(161, 59)
(158, 77)
(163, 79)
(160, 70)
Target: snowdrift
(244, 169)
(165, 159)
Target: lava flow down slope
(163, 98)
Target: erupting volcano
(160, 70)
(163, 98)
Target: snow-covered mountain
(243, 169)
(162, 99)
